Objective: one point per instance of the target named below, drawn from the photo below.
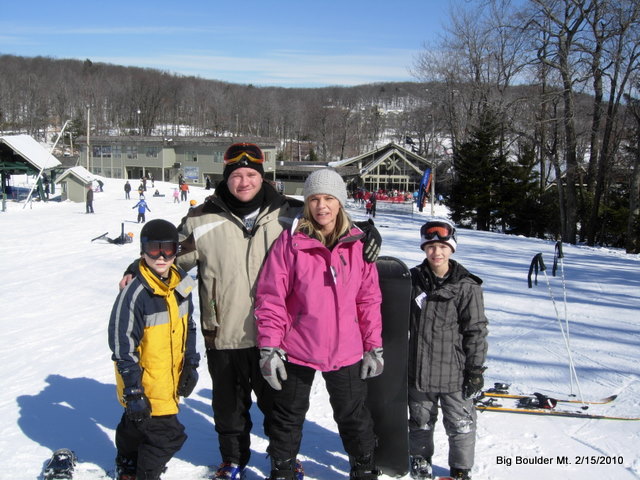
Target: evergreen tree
(491, 190)
(520, 208)
(477, 176)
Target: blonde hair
(309, 226)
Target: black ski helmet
(158, 230)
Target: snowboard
(387, 393)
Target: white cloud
(283, 68)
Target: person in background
(152, 337)
(374, 203)
(127, 190)
(231, 232)
(184, 191)
(142, 209)
(89, 199)
(316, 264)
(447, 351)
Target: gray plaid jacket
(448, 329)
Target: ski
(601, 401)
(549, 412)
(100, 236)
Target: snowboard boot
(230, 471)
(460, 474)
(286, 470)
(421, 468)
(363, 468)
(151, 474)
(125, 468)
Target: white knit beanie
(438, 222)
(328, 182)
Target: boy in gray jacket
(447, 351)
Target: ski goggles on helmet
(155, 250)
(239, 151)
(442, 231)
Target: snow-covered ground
(58, 288)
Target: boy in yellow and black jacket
(153, 339)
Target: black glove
(372, 240)
(188, 380)
(138, 408)
(473, 381)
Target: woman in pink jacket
(318, 308)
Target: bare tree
(615, 27)
(632, 243)
(558, 28)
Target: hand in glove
(372, 240)
(188, 380)
(138, 407)
(272, 366)
(372, 364)
(473, 381)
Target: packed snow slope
(59, 391)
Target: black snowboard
(387, 393)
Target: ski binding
(60, 465)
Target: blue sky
(270, 42)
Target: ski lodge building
(390, 167)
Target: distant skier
(127, 190)
(374, 202)
(447, 351)
(184, 190)
(89, 199)
(142, 208)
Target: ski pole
(572, 369)
(557, 258)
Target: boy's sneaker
(125, 468)
(460, 474)
(286, 470)
(420, 468)
(363, 468)
(229, 470)
(126, 476)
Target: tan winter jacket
(229, 259)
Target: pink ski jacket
(321, 306)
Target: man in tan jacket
(227, 238)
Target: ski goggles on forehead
(236, 153)
(155, 250)
(440, 230)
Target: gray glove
(272, 366)
(372, 364)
